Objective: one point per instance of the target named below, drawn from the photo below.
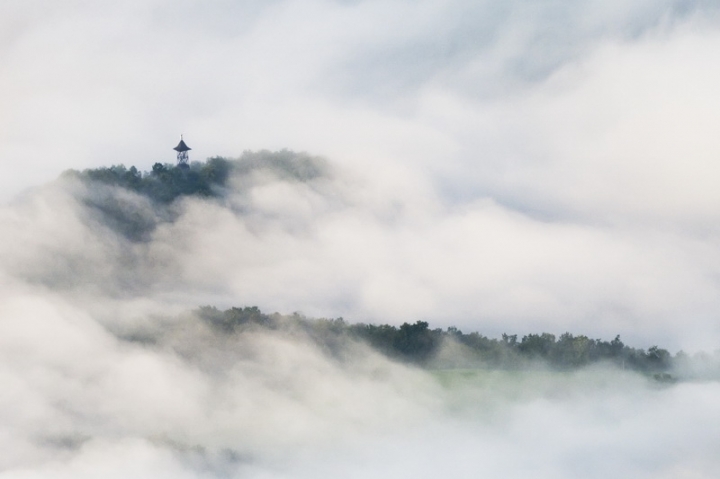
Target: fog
(502, 167)
(106, 372)
(552, 165)
(335, 245)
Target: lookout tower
(182, 153)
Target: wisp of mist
(107, 372)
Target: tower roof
(182, 146)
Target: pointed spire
(182, 146)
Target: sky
(512, 165)
(554, 164)
(500, 166)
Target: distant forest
(415, 343)
(166, 182)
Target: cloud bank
(106, 372)
(507, 167)
(500, 162)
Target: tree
(572, 351)
(537, 346)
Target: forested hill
(106, 189)
(133, 204)
(166, 182)
(419, 344)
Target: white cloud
(498, 166)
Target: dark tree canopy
(160, 187)
(166, 182)
(417, 343)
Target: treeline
(161, 186)
(165, 182)
(418, 343)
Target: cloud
(508, 167)
(88, 85)
(191, 404)
(330, 245)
